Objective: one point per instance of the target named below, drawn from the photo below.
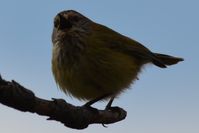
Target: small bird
(93, 62)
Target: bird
(92, 62)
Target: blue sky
(163, 100)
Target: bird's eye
(65, 24)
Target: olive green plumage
(90, 60)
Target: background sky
(162, 101)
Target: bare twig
(14, 95)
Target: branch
(14, 95)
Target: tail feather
(162, 60)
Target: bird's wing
(136, 49)
(121, 43)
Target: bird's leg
(108, 106)
(88, 104)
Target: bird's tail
(162, 60)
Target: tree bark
(14, 95)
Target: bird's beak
(57, 21)
(61, 22)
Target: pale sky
(162, 101)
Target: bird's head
(70, 24)
(70, 20)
